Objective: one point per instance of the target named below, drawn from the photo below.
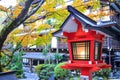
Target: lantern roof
(109, 28)
(115, 7)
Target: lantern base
(91, 67)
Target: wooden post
(31, 65)
(38, 62)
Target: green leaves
(44, 71)
(60, 72)
(103, 73)
(16, 64)
(44, 51)
(38, 69)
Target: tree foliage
(12, 22)
(45, 71)
(36, 17)
(59, 72)
(48, 11)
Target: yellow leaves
(93, 5)
(40, 41)
(48, 8)
(93, 16)
(31, 26)
(32, 17)
(98, 15)
(58, 14)
(2, 8)
(12, 36)
(83, 6)
(44, 39)
(111, 0)
(103, 13)
(35, 35)
(50, 2)
(77, 3)
(17, 10)
(43, 27)
(16, 31)
(2, 54)
(2, 14)
(26, 40)
(19, 36)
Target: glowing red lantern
(84, 43)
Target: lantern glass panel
(81, 50)
(97, 50)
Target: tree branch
(35, 9)
(38, 18)
(32, 21)
(42, 17)
(6, 54)
(31, 12)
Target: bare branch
(42, 17)
(38, 18)
(36, 8)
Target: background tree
(13, 22)
(29, 11)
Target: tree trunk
(24, 14)
(2, 39)
(57, 61)
(0, 62)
